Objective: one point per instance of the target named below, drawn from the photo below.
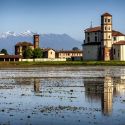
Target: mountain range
(55, 41)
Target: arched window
(105, 28)
(95, 38)
(88, 39)
(105, 20)
(109, 28)
(109, 20)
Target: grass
(67, 63)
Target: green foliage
(37, 53)
(75, 48)
(28, 53)
(4, 51)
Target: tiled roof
(98, 29)
(106, 14)
(24, 44)
(46, 49)
(93, 29)
(69, 51)
(10, 56)
(120, 43)
(117, 33)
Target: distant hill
(55, 41)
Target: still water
(62, 96)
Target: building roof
(106, 14)
(10, 56)
(117, 33)
(119, 43)
(69, 51)
(24, 44)
(47, 49)
(93, 29)
(98, 29)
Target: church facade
(104, 43)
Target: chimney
(36, 41)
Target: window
(105, 28)
(118, 53)
(109, 36)
(105, 20)
(88, 33)
(88, 39)
(114, 38)
(109, 28)
(109, 20)
(95, 38)
(114, 51)
(95, 33)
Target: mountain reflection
(104, 89)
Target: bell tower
(36, 41)
(106, 43)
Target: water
(62, 96)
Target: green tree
(28, 53)
(75, 48)
(37, 53)
(4, 51)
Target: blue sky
(59, 16)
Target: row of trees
(29, 53)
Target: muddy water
(62, 96)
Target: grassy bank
(67, 63)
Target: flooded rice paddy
(62, 96)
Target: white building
(103, 43)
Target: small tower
(106, 43)
(36, 41)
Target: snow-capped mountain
(55, 41)
(11, 33)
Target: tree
(4, 51)
(28, 53)
(37, 53)
(75, 48)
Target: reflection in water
(36, 85)
(104, 90)
(107, 96)
(65, 99)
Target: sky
(59, 16)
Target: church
(104, 43)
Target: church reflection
(104, 89)
(107, 96)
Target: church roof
(119, 43)
(93, 29)
(98, 29)
(69, 51)
(106, 14)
